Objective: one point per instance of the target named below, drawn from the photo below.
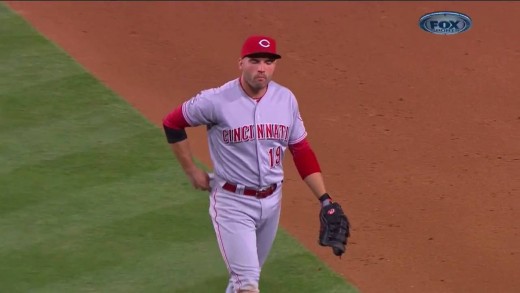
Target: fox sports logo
(445, 22)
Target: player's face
(257, 71)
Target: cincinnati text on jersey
(250, 132)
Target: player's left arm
(308, 167)
(334, 224)
(303, 155)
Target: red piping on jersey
(175, 119)
(304, 158)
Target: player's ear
(240, 63)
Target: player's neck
(253, 94)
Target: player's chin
(261, 83)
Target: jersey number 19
(275, 156)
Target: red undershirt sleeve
(304, 158)
(175, 119)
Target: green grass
(91, 199)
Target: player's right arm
(196, 111)
(174, 125)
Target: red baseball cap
(259, 45)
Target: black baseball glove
(334, 228)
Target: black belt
(262, 193)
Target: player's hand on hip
(199, 179)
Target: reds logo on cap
(263, 45)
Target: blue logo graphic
(445, 22)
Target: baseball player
(250, 122)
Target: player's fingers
(206, 186)
(195, 182)
(207, 179)
(205, 189)
(202, 185)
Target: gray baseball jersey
(247, 139)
